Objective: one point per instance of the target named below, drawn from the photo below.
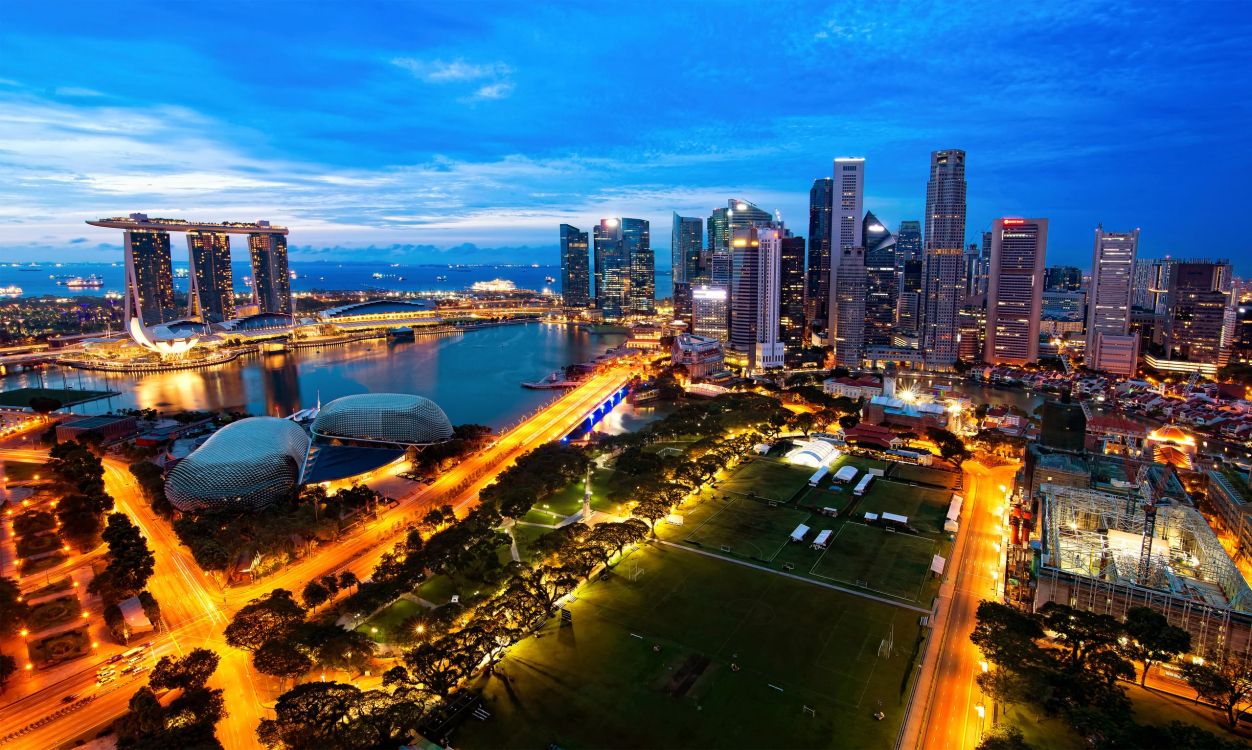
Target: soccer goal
(888, 643)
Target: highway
(196, 608)
(945, 712)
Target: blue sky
(468, 131)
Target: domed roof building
(246, 465)
(387, 418)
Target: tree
(311, 715)
(438, 665)
(348, 579)
(262, 619)
(652, 508)
(80, 519)
(950, 446)
(1005, 635)
(13, 611)
(610, 538)
(130, 561)
(191, 671)
(331, 583)
(314, 595)
(332, 647)
(1004, 738)
(1081, 633)
(7, 667)
(1225, 681)
(279, 657)
(1153, 639)
(43, 404)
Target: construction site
(1107, 552)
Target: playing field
(922, 475)
(873, 558)
(748, 528)
(768, 479)
(925, 507)
(648, 663)
(817, 498)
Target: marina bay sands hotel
(150, 278)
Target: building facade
(1197, 326)
(709, 311)
(1015, 291)
(882, 281)
(1062, 279)
(738, 214)
(943, 255)
(791, 297)
(149, 277)
(754, 297)
(624, 268)
(821, 197)
(641, 293)
(212, 294)
(686, 246)
(846, 309)
(271, 279)
(1110, 345)
(575, 268)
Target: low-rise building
(862, 387)
(701, 355)
(111, 426)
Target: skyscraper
(575, 268)
(612, 269)
(686, 245)
(882, 281)
(754, 297)
(943, 247)
(846, 309)
(1063, 279)
(722, 223)
(1197, 324)
(709, 311)
(271, 282)
(909, 241)
(1110, 345)
(821, 197)
(637, 242)
(1015, 291)
(212, 294)
(909, 309)
(791, 296)
(149, 277)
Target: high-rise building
(909, 241)
(575, 267)
(149, 277)
(791, 297)
(686, 246)
(1062, 279)
(271, 280)
(846, 309)
(975, 272)
(641, 293)
(882, 281)
(821, 197)
(1197, 317)
(754, 297)
(1015, 291)
(943, 248)
(1110, 345)
(1141, 295)
(709, 311)
(722, 223)
(212, 294)
(909, 309)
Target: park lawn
(878, 560)
(542, 517)
(681, 445)
(766, 478)
(569, 500)
(925, 507)
(598, 682)
(748, 528)
(383, 625)
(922, 475)
(525, 535)
(23, 471)
(20, 397)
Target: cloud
(439, 71)
(494, 91)
(75, 91)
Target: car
(129, 668)
(69, 698)
(115, 658)
(102, 679)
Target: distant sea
(37, 280)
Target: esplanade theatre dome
(391, 418)
(246, 465)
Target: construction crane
(1145, 552)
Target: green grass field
(767, 478)
(382, 626)
(818, 498)
(20, 397)
(569, 500)
(749, 528)
(878, 560)
(912, 473)
(926, 508)
(602, 683)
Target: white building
(865, 387)
(755, 334)
(1015, 290)
(708, 312)
(699, 354)
(1110, 345)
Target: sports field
(817, 498)
(872, 558)
(922, 475)
(648, 663)
(767, 478)
(748, 528)
(925, 507)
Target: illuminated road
(196, 608)
(945, 710)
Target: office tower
(791, 297)
(846, 309)
(1015, 291)
(882, 281)
(943, 245)
(1110, 345)
(909, 241)
(821, 197)
(1062, 279)
(641, 290)
(1196, 322)
(975, 272)
(1144, 275)
(754, 297)
(686, 246)
(271, 281)
(709, 311)
(612, 269)
(971, 325)
(1162, 272)
(909, 309)
(722, 223)
(149, 277)
(212, 294)
(575, 268)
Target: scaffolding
(1110, 538)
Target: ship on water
(12, 290)
(82, 282)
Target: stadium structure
(394, 419)
(244, 466)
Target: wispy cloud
(494, 91)
(440, 71)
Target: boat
(549, 280)
(495, 285)
(554, 380)
(441, 278)
(83, 282)
(12, 290)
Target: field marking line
(802, 579)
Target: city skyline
(487, 178)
